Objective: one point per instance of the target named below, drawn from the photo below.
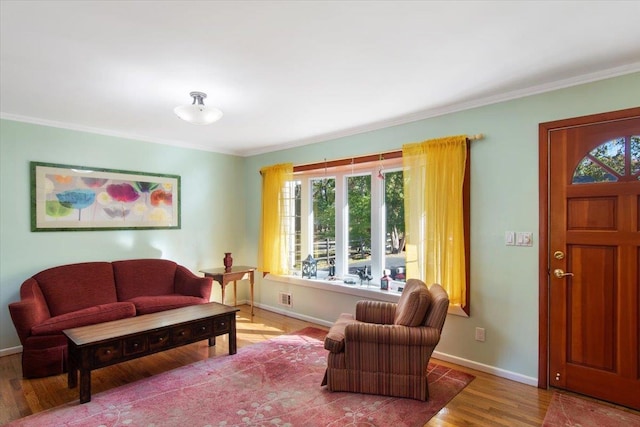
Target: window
(350, 217)
(612, 161)
(351, 220)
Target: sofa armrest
(31, 310)
(187, 283)
(376, 312)
(385, 335)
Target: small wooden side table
(236, 272)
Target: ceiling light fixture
(197, 113)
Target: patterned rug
(570, 411)
(272, 383)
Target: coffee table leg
(72, 375)
(212, 341)
(85, 385)
(232, 335)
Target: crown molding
(408, 118)
(107, 132)
(454, 108)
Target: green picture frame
(82, 198)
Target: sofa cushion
(144, 277)
(153, 304)
(334, 341)
(88, 316)
(413, 304)
(72, 287)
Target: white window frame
(378, 240)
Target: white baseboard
(498, 372)
(10, 350)
(294, 314)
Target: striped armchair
(386, 348)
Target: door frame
(544, 251)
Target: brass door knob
(559, 273)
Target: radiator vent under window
(285, 299)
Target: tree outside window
(354, 221)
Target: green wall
(504, 196)
(212, 215)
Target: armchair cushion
(379, 312)
(413, 304)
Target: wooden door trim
(543, 238)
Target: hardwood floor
(487, 401)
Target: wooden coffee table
(96, 346)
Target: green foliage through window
(614, 160)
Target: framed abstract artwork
(81, 198)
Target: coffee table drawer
(191, 332)
(202, 329)
(158, 339)
(221, 325)
(106, 353)
(135, 345)
(181, 334)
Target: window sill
(365, 291)
(370, 291)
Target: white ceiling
(288, 73)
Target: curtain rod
(363, 159)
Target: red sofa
(83, 294)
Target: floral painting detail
(56, 209)
(63, 179)
(161, 196)
(140, 209)
(79, 198)
(94, 182)
(159, 215)
(146, 187)
(123, 192)
(117, 213)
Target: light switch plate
(524, 238)
(509, 238)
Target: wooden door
(593, 258)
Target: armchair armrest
(31, 310)
(187, 283)
(386, 335)
(379, 312)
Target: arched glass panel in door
(612, 161)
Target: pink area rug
(272, 383)
(570, 411)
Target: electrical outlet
(480, 334)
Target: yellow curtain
(434, 225)
(272, 253)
